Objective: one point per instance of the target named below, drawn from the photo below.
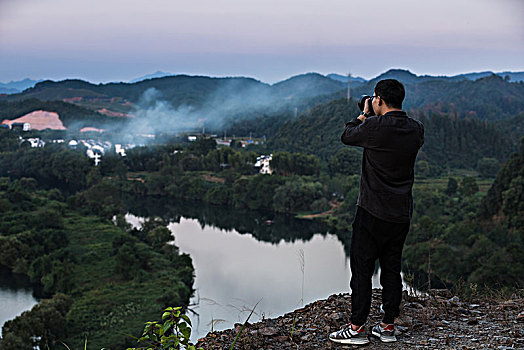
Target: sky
(269, 40)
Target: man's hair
(391, 91)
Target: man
(391, 141)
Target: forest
(62, 223)
(452, 211)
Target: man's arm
(355, 133)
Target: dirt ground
(439, 321)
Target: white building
(221, 142)
(34, 142)
(119, 149)
(263, 163)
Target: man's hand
(361, 117)
(367, 107)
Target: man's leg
(390, 256)
(363, 254)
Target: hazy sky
(270, 40)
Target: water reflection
(16, 295)
(240, 258)
(264, 226)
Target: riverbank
(440, 321)
(94, 278)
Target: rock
(462, 311)
(440, 292)
(401, 329)
(336, 317)
(472, 321)
(414, 305)
(454, 300)
(306, 337)
(268, 331)
(520, 317)
(282, 338)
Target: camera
(361, 103)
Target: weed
(244, 325)
(302, 261)
(85, 345)
(293, 327)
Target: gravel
(439, 321)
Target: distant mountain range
(17, 86)
(401, 74)
(344, 78)
(222, 102)
(157, 74)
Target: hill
(181, 90)
(344, 78)
(513, 77)
(71, 115)
(504, 201)
(490, 98)
(181, 103)
(449, 141)
(39, 120)
(240, 105)
(306, 85)
(317, 131)
(157, 74)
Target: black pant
(374, 239)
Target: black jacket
(391, 143)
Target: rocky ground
(439, 321)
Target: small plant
(68, 348)
(243, 326)
(293, 325)
(302, 261)
(409, 278)
(173, 334)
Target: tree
(24, 333)
(488, 167)
(452, 187)
(422, 169)
(286, 163)
(468, 186)
(159, 236)
(513, 205)
(295, 196)
(346, 161)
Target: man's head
(390, 94)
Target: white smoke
(234, 100)
(153, 115)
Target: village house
(34, 142)
(263, 164)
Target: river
(281, 264)
(241, 258)
(16, 295)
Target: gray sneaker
(347, 335)
(385, 334)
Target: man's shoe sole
(384, 338)
(353, 341)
